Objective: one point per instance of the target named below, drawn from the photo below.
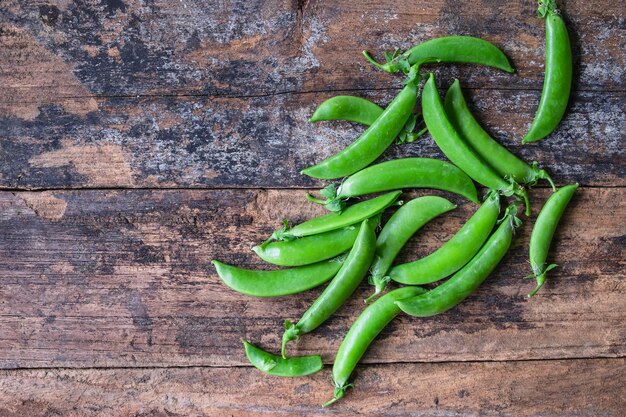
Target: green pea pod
(456, 252)
(373, 142)
(346, 281)
(309, 249)
(557, 80)
(463, 283)
(498, 157)
(461, 49)
(362, 333)
(404, 223)
(350, 108)
(332, 221)
(275, 365)
(403, 173)
(458, 151)
(279, 282)
(543, 232)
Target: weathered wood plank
(71, 49)
(561, 388)
(122, 278)
(266, 141)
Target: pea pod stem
(449, 294)
(543, 232)
(557, 80)
(342, 286)
(496, 155)
(458, 151)
(362, 333)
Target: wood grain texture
(227, 142)
(562, 388)
(257, 47)
(123, 278)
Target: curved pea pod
(557, 81)
(400, 174)
(456, 252)
(309, 249)
(279, 282)
(332, 221)
(458, 151)
(349, 108)
(278, 366)
(362, 333)
(463, 283)
(543, 232)
(496, 155)
(373, 142)
(461, 49)
(342, 286)
(404, 223)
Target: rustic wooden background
(141, 139)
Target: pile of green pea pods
(343, 247)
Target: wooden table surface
(141, 139)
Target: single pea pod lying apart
(342, 286)
(496, 155)
(278, 366)
(461, 49)
(456, 252)
(557, 80)
(463, 283)
(458, 151)
(349, 108)
(543, 232)
(332, 221)
(373, 142)
(404, 223)
(363, 332)
(279, 282)
(399, 174)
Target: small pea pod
(350, 108)
(346, 281)
(461, 49)
(557, 80)
(458, 151)
(463, 283)
(456, 252)
(332, 221)
(543, 232)
(363, 111)
(373, 142)
(362, 333)
(404, 223)
(278, 366)
(399, 174)
(496, 155)
(279, 282)
(310, 249)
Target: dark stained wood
(262, 47)
(123, 278)
(560, 388)
(227, 142)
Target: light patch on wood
(34, 77)
(104, 165)
(45, 205)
